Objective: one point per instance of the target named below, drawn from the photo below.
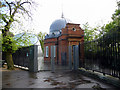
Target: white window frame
(54, 51)
(47, 51)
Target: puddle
(59, 79)
(31, 83)
(58, 83)
(33, 75)
(8, 84)
(98, 87)
(68, 80)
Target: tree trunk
(9, 60)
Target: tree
(1, 6)
(115, 23)
(41, 37)
(89, 32)
(8, 43)
(98, 32)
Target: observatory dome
(58, 24)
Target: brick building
(62, 34)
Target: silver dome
(58, 24)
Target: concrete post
(74, 62)
(70, 57)
(33, 59)
(52, 59)
(75, 57)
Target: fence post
(52, 59)
(76, 57)
(33, 60)
(70, 57)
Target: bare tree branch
(12, 4)
(9, 6)
(27, 12)
(25, 2)
(16, 6)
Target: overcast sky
(95, 12)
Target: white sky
(95, 12)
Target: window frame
(47, 51)
(54, 51)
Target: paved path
(45, 79)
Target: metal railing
(103, 54)
(21, 57)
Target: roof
(58, 24)
(30, 39)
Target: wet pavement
(46, 79)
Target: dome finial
(62, 16)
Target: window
(47, 50)
(54, 51)
(74, 29)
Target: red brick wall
(68, 37)
(49, 43)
